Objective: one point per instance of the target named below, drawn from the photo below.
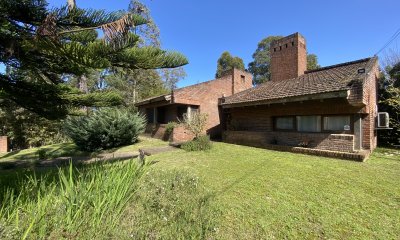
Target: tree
(135, 85)
(260, 66)
(26, 129)
(312, 62)
(227, 62)
(172, 76)
(43, 45)
(389, 101)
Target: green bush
(42, 154)
(170, 127)
(201, 143)
(104, 129)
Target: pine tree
(42, 45)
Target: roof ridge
(338, 65)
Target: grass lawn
(228, 192)
(267, 194)
(70, 149)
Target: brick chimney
(288, 57)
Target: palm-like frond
(148, 58)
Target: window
(308, 123)
(242, 78)
(336, 123)
(284, 123)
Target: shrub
(42, 154)
(104, 129)
(195, 123)
(170, 127)
(201, 143)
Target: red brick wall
(254, 125)
(259, 118)
(3, 144)
(288, 57)
(370, 99)
(324, 141)
(180, 134)
(207, 95)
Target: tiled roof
(323, 80)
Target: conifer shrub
(104, 129)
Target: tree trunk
(83, 87)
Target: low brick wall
(157, 131)
(323, 141)
(323, 144)
(179, 133)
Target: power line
(391, 39)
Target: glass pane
(309, 123)
(284, 123)
(336, 123)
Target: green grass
(67, 203)
(268, 194)
(228, 192)
(70, 149)
(54, 150)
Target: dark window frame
(294, 117)
(275, 128)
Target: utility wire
(395, 35)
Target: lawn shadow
(9, 154)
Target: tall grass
(170, 204)
(72, 203)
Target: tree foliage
(172, 76)
(136, 85)
(226, 62)
(41, 45)
(312, 62)
(260, 66)
(389, 101)
(104, 129)
(26, 129)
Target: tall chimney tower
(288, 57)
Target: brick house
(330, 111)
(203, 97)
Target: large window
(284, 123)
(337, 123)
(308, 123)
(313, 123)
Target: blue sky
(337, 31)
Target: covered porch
(160, 111)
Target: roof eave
(154, 100)
(318, 96)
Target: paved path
(103, 157)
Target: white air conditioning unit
(383, 120)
